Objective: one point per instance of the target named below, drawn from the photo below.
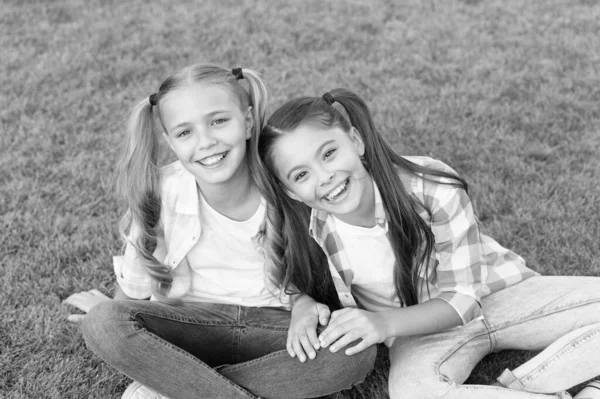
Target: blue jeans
(558, 315)
(199, 350)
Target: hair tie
(153, 99)
(237, 72)
(328, 98)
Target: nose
(325, 176)
(204, 140)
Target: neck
(237, 198)
(364, 216)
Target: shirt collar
(187, 194)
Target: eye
(183, 133)
(329, 153)
(299, 176)
(219, 121)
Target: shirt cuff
(134, 289)
(466, 306)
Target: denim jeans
(206, 350)
(559, 315)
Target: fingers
(340, 313)
(361, 346)
(345, 339)
(97, 293)
(332, 334)
(324, 314)
(86, 300)
(75, 318)
(338, 326)
(290, 346)
(312, 338)
(301, 347)
(307, 346)
(303, 344)
(76, 300)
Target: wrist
(301, 300)
(390, 322)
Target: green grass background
(507, 92)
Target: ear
(249, 123)
(166, 137)
(357, 140)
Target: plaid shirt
(464, 265)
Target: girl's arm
(307, 314)
(350, 324)
(458, 251)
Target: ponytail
(256, 97)
(294, 259)
(410, 237)
(139, 185)
(139, 177)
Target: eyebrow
(316, 155)
(210, 114)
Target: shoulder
(172, 171)
(431, 190)
(430, 163)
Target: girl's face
(207, 130)
(322, 168)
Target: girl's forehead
(317, 130)
(197, 99)
(202, 93)
(304, 142)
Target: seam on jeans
(254, 361)
(569, 347)
(266, 328)
(187, 320)
(281, 353)
(468, 338)
(491, 336)
(237, 334)
(214, 373)
(564, 308)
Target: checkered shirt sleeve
(458, 249)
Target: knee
(356, 367)
(103, 324)
(411, 385)
(365, 362)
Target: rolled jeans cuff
(508, 380)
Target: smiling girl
(412, 268)
(219, 326)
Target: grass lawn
(507, 92)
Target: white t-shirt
(226, 267)
(372, 261)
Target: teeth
(338, 190)
(212, 160)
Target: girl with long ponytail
(204, 243)
(412, 268)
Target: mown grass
(505, 91)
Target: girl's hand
(84, 301)
(349, 324)
(302, 338)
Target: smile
(213, 159)
(337, 191)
